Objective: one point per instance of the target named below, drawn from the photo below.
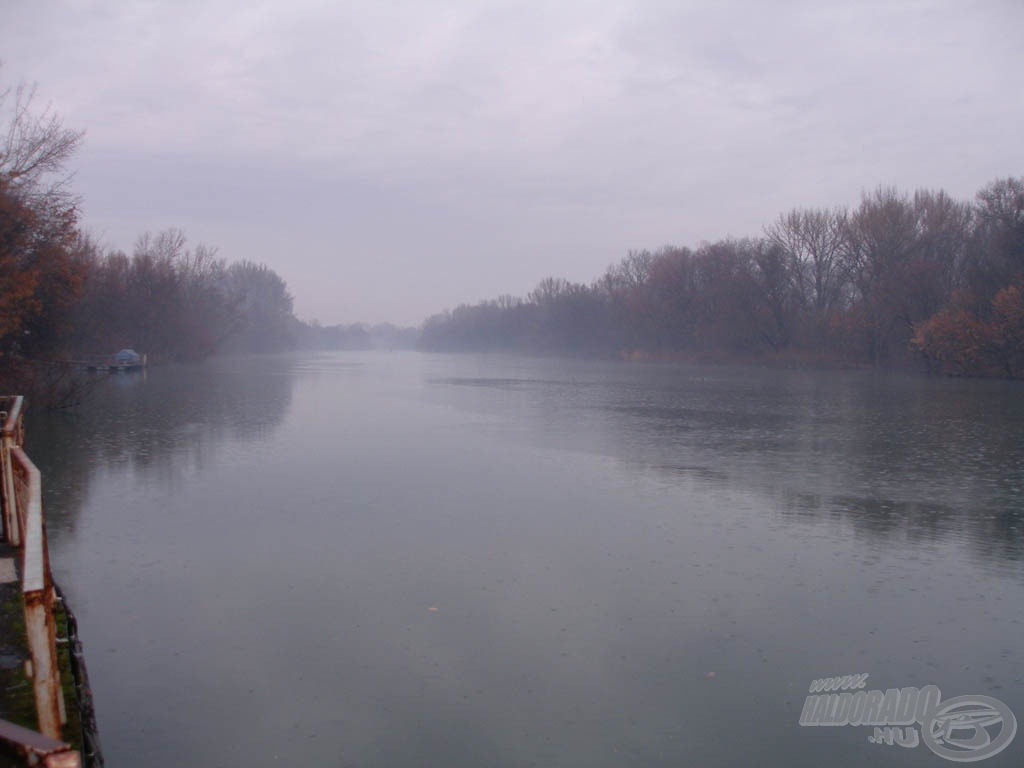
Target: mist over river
(388, 560)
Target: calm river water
(393, 559)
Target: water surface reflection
(396, 560)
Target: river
(394, 559)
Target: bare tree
(814, 239)
(630, 274)
(34, 147)
(41, 268)
(945, 229)
(547, 290)
(1000, 209)
(881, 235)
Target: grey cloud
(393, 159)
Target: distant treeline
(175, 303)
(901, 279)
(356, 336)
(63, 297)
(181, 304)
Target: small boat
(129, 358)
(125, 360)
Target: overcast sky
(390, 159)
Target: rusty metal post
(37, 591)
(9, 437)
(40, 627)
(10, 505)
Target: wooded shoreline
(919, 281)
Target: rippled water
(392, 559)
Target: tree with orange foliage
(954, 340)
(17, 285)
(1006, 330)
(962, 343)
(41, 264)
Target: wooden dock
(108, 364)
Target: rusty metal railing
(13, 434)
(25, 528)
(37, 749)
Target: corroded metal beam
(25, 528)
(37, 593)
(10, 437)
(51, 753)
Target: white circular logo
(958, 728)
